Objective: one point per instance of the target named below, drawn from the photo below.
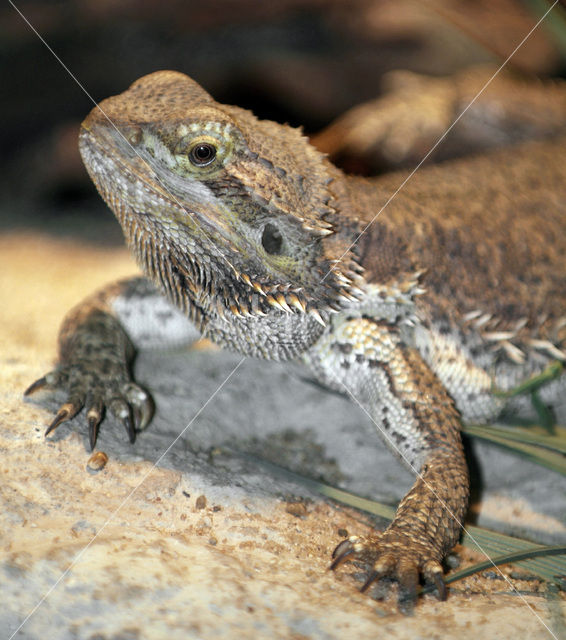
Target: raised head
(244, 209)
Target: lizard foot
(127, 401)
(395, 555)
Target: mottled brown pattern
(490, 233)
(464, 250)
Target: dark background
(298, 61)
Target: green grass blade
(497, 544)
(521, 434)
(549, 458)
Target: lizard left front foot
(397, 555)
(87, 387)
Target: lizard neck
(191, 286)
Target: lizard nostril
(134, 136)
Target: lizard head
(240, 208)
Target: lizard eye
(202, 154)
(271, 239)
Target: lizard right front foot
(97, 392)
(398, 556)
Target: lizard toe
(382, 568)
(41, 383)
(346, 549)
(52, 380)
(94, 417)
(433, 574)
(66, 412)
(122, 411)
(408, 578)
(141, 403)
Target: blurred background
(304, 62)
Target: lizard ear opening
(271, 239)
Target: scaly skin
(244, 228)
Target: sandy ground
(208, 544)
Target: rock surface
(208, 543)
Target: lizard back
(490, 235)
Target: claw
(128, 423)
(340, 559)
(66, 412)
(92, 431)
(146, 413)
(62, 415)
(342, 552)
(36, 386)
(53, 379)
(142, 406)
(345, 545)
(380, 569)
(123, 412)
(136, 417)
(433, 574)
(373, 576)
(94, 416)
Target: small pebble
(297, 509)
(453, 561)
(96, 462)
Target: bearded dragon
(418, 310)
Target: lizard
(249, 236)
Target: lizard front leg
(98, 340)
(370, 361)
